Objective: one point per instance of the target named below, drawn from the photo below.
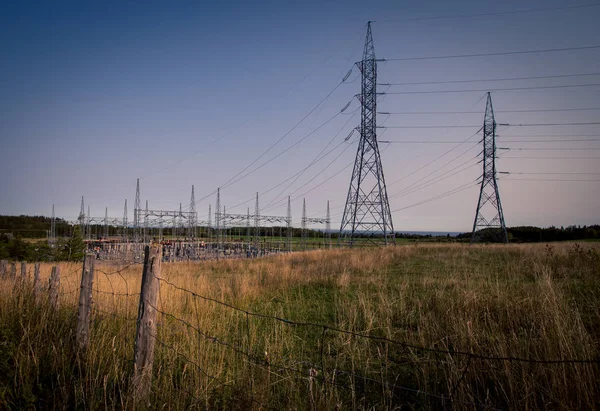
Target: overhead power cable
(500, 53)
(497, 13)
(553, 180)
(563, 173)
(446, 194)
(552, 149)
(479, 112)
(504, 141)
(229, 182)
(549, 158)
(591, 123)
(493, 89)
(414, 83)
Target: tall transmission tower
(81, 219)
(256, 224)
(146, 238)
(328, 225)
(248, 232)
(489, 204)
(289, 224)
(106, 223)
(52, 236)
(218, 218)
(209, 227)
(367, 211)
(125, 222)
(136, 214)
(193, 218)
(303, 225)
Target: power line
(446, 194)
(498, 13)
(549, 158)
(553, 135)
(551, 180)
(437, 179)
(566, 173)
(283, 137)
(501, 53)
(504, 141)
(553, 149)
(486, 80)
(479, 112)
(494, 89)
(591, 123)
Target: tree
(73, 249)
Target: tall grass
(534, 302)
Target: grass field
(532, 302)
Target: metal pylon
(125, 222)
(288, 222)
(489, 218)
(81, 219)
(367, 211)
(136, 214)
(52, 236)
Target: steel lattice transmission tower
(489, 197)
(52, 236)
(136, 214)
(367, 212)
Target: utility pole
(125, 222)
(289, 224)
(367, 211)
(52, 239)
(81, 219)
(256, 224)
(303, 224)
(136, 214)
(328, 225)
(489, 197)
(192, 222)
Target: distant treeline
(32, 226)
(527, 234)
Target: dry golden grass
(527, 301)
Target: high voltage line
(504, 141)
(494, 89)
(486, 80)
(500, 53)
(478, 112)
(592, 123)
(498, 13)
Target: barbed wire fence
(314, 363)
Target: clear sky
(94, 95)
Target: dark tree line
(528, 234)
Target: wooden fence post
(36, 281)
(23, 271)
(53, 287)
(146, 322)
(3, 269)
(85, 302)
(13, 270)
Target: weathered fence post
(146, 322)
(3, 269)
(13, 270)
(53, 287)
(36, 281)
(85, 302)
(23, 271)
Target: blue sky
(96, 95)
